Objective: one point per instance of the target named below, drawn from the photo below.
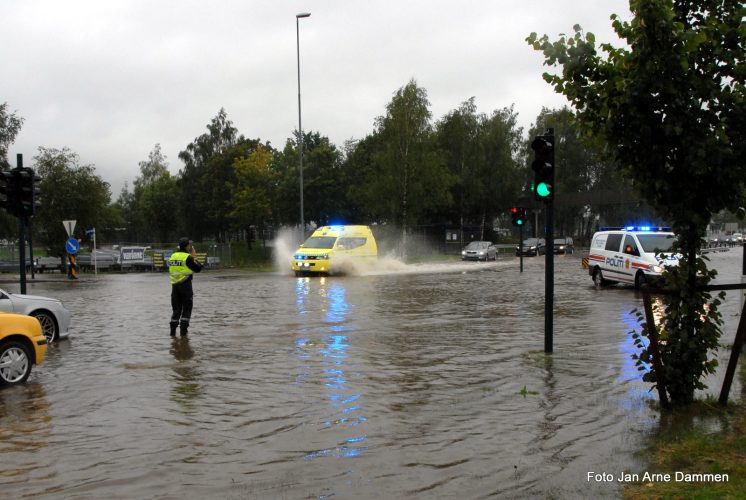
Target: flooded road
(424, 381)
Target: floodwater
(421, 381)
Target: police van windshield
(655, 242)
(320, 242)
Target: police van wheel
(598, 278)
(639, 280)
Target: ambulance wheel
(639, 280)
(598, 278)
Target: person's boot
(184, 329)
(173, 329)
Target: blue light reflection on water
(331, 355)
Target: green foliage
(69, 191)
(10, 125)
(481, 155)
(208, 169)
(410, 179)
(157, 198)
(250, 201)
(672, 109)
(689, 332)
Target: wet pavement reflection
(424, 381)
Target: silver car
(479, 250)
(53, 316)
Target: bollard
(72, 269)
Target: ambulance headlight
(324, 256)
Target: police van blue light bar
(637, 228)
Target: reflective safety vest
(177, 267)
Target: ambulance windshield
(320, 242)
(656, 242)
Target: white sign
(69, 226)
(131, 255)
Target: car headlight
(324, 256)
(463, 252)
(657, 269)
(481, 253)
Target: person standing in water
(181, 268)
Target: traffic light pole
(22, 237)
(520, 244)
(22, 253)
(549, 267)
(549, 280)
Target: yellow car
(332, 249)
(22, 345)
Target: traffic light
(8, 192)
(25, 183)
(543, 167)
(519, 215)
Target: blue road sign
(72, 245)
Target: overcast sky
(110, 79)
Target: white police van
(632, 254)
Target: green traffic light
(519, 222)
(543, 190)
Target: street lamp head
(303, 14)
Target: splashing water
(287, 242)
(285, 245)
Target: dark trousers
(182, 298)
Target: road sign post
(72, 246)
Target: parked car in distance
(563, 246)
(52, 315)
(479, 250)
(22, 345)
(531, 247)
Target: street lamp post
(300, 127)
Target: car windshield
(559, 241)
(478, 245)
(656, 242)
(531, 242)
(320, 242)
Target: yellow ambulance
(333, 249)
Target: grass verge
(705, 438)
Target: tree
(207, 170)
(156, 197)
(69, 191)
(482, 154)
(671, 107)
(499, 176)
(10, 125)
(411, 180)
(251, 195)
(457, 137)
